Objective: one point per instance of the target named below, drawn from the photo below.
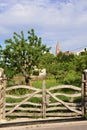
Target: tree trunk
(27, 80)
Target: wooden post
(44, 99)
(2, 94)
(84, 92)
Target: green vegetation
(49, 83)
(22, 54)
(66, 69)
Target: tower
(57, 49)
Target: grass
(49, 83)
(12, 100)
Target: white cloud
(63, 21)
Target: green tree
(47, 61)
(81, 62)
(62, 57)
(22, 54)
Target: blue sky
(56, 21)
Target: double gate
(65, 101)
(42, 103)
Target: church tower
(57, 49)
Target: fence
(43, 103)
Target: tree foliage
(22, 54)
(67, 69)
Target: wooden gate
(64, 101)
(19, 104)
(60, 101)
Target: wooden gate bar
(84, 92)
(44, 99)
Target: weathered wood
(2, 94)
(26, 103)
(65, 86)
(70, 104)
(86, 104)
(1, 86)
(39, 109)
(63, 103)
(22, 96)
(84, 86)
(18, 97)
(1, 100)
(25, 114)
(13, 109)
(1, 115)
(25, 109)
(62, 114)
(56, 108)
(1, 111)
(46, 106)
(22, 114)
(44, 99)
(61, 108)
(4, 100)
(68, 95)
(83, 80)
(22, 86)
